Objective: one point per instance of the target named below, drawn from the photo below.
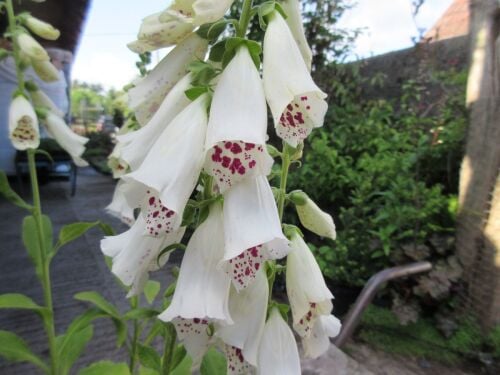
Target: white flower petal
(119, 167)
(40, 99)
(306, 288)
(202, 291)
(295, 23)
(236, 133)
(278, 353)
(146, 97)
(252, 230)
(134, 255)
(208, 11)
(236, 362)
(194, 335)
(316, 220)
(119, 206)
(165, 180)
(296, 102)
(71, 142)
(248, 310)
(318, 342)
(23, 124)
(136, 144)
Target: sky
(103, 57)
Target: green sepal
(195, 92)
(217, 51)
(211, 31)
(298, 197)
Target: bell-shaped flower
(71, 142)
(149, 92)
(252, 230)
(41, 28)
(199, 12)
(45, 70)
(165, 180)
(295, 23)
(134, 255)
(40, 99)
(306, 288)
(278, 353)
(202, 290)
(318, 342)
(23, 124)
(312, 217)
(156, 33)
(248, 310)
(31, 47)
(236, 133)
(119, 206)
(118, 166)
(136, 144)
(297, 104)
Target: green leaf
(195, 92)
(216, 29)
(44, 153)
(183, 368)
(217, 51)
(30, 240)
(99, 301)
(73, 231)
(213, 363)
(9, 194)
(14, 349)
(73, 350)
(266, 8)
(106, 229)
(179, 355)
(151, 290)
(149, 357)
(255, 50)
(169, 292)
(4, 53)
(20, 301)
(141, 313)
(105, 368)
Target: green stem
(168, 354)
(244, 18)
(134, 302)
(45, 263)
(285, 166)
(17, 54)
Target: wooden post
(478, 229)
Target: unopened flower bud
(312, 217)
(32, 48)
(42, 29)
(45, 70)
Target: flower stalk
(244, 18)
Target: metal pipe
(368, 293)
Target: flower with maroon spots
(248, 310)
(71, 142)
(309, 297)
(252, 230)
(202, 290)
(163, 183)
(194, 334)
(278, 353)
(134, 255)
(135, 145)
(318, 342)
(236, 134)
(23, 124)
(148, 93)
(119, 206)
(297, 103)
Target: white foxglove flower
(118, 166)
(45, 70)
(155, 33)
(278, 353)
(149, 92)
(248, 310)
(199, 11)
(41, 28)
(296, 102)
(252, 230)
(306, 288)
(119, 206)
(202, 291)
(136, 144)
(71, 142)
(295, 23)
(313, 218)
(167, 177)
(318, 342)
(40, 99)
(23, 124)
(134, 256)
(31, 47)
(236, 133)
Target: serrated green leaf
(31, 242)
(9, 194)
(141, 313)
(105, 368)
(73, 231)
(217, 51)
(13, 348)
(213, 363)
(151, 290)
(149, 357)
(73, 350)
